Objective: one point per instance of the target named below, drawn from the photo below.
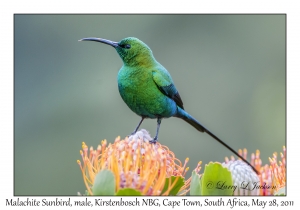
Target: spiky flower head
(244, 178)
(272, 176)
(279, 169)
(135, 163)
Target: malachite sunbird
(147, 87)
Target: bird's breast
(140, 93)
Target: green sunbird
(147, 87)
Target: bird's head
(131, 50)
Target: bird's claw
(153, 141)
(131, 134)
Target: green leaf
(281, 192)
(128, 191)
(195, 184)
(175, 189)
(104, 183)
(216, 180)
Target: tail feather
(192, 121)
(189, 119)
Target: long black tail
(192, 121)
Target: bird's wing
(165, 84)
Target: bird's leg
(157, 130)
(137, 127)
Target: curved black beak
(105, 41)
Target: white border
(8, 8)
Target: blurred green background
(229, 70)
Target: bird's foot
(134, 132)
(130, 134)
(153, 141)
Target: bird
(148, 89)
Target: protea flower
(135, 163)
(272, 176)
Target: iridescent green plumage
(147, 87)
(141, 81)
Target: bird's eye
(127, 46)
